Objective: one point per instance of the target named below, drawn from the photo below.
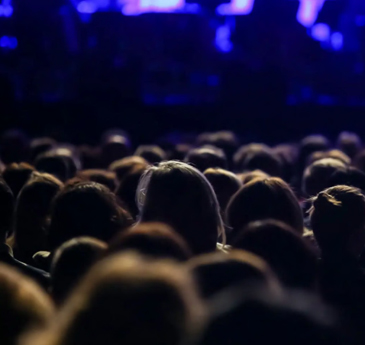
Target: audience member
(39, 146)
(207, 157)
(104, 177)
(350, 143)
(16, 176)
(151, 153)
(123, 167)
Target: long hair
(179, 195)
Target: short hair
(123, 167)
(179, 195)
(155, 240)
(55, 164)
(85, 209)
(316, 177)
(6, 210)
(310, 144)
(335, 154)
(284, 250)
(70, 263)
(24, 305)
(207, 157)
(350, 177)
(113, 148)
(350, 143)
(263, 199)
(32, 211)
(16, 176)
(39, 146)
(338, 217)
(252, 175)
(104, 177)
(258, 157)
(224, 183)
(218, 271)
(127, 300)
(151, 153)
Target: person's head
(258, 317)
(309, 145)
(252, 175)
(127, 189)
(179, 195)
(258, 157)
(71, 261)
(288, 154)
(114, 147)
(349, 177)
(127, 300)
(338, 220)
(151, 153)
(218, 271)
(104, 177)
(207, 157)
(225, 185)
(55, 164)
(14, 147)
(335, 154)
(39, 146)
(85, 209)
(263, 199)
(359, 161)
(287, 253)
(350, 143)
(155, 240)
(16, 176)
(316, 177)
(123, 167)
(32, 214)
(24, 306)
(6, 210)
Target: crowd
(209, 242)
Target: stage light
(8, 42)
(236, 7)
(337, 40)
(87, 7)
(308, 11)
(321, 32)
(222, 39)
(138, 7)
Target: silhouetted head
(258, 157)
(338, 220)
(335, 154)
(252, 175)
(317, 176)
(151, 153)
(124, 166)
(6, 210)
(32, 214)
(207, 157)
(179, 195)
(24, 306)
(114, 147)
(85, 209)
(14, 147)
(218, 271)
(263, 199)
(155, 240)
(39, 146)
(127, 300)
(71, 261)
(104, 177)
(225, 185)
(284, 250)
(16, 176)
(350, 143)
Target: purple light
(8, 11)
(308, 11)
(321, 32)
(236, 7)
(337, 40)
(222, 39)
(87, 7)
(138, 7)
(8, 42)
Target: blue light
(236, 7)
(360, 20)
(337, 41)
(87, 7)
(222, 39)
(8, 11)
(308, 11)
(8, 42)
(321, 32)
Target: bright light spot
(236, 7)
(222, 39)
(86, 7)
(321, 32)
(360, 20)
(6, 10)
(8, 42)
(337, 40)
(147, 6)
(308, 11)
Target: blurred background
(273, 69)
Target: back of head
(155, 240)
(54, 164)
(284, 250)
(39, 146)
(263, 199)
(24, 305)
(16, 176)
(14, 147)
(218, 271)
(124, 166)
(6, 210)
(258, 157)
(252, 175)
(104, 177)
(114, 147)
(350, 177)
(224, 183)
(85, 209)
(207, 157)
(335, 154)
(179, 195)
(71, 262)
(126, 300)
(151, 153)
(317, 176)
(350, 143)
(338, 220)
(311, 144)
